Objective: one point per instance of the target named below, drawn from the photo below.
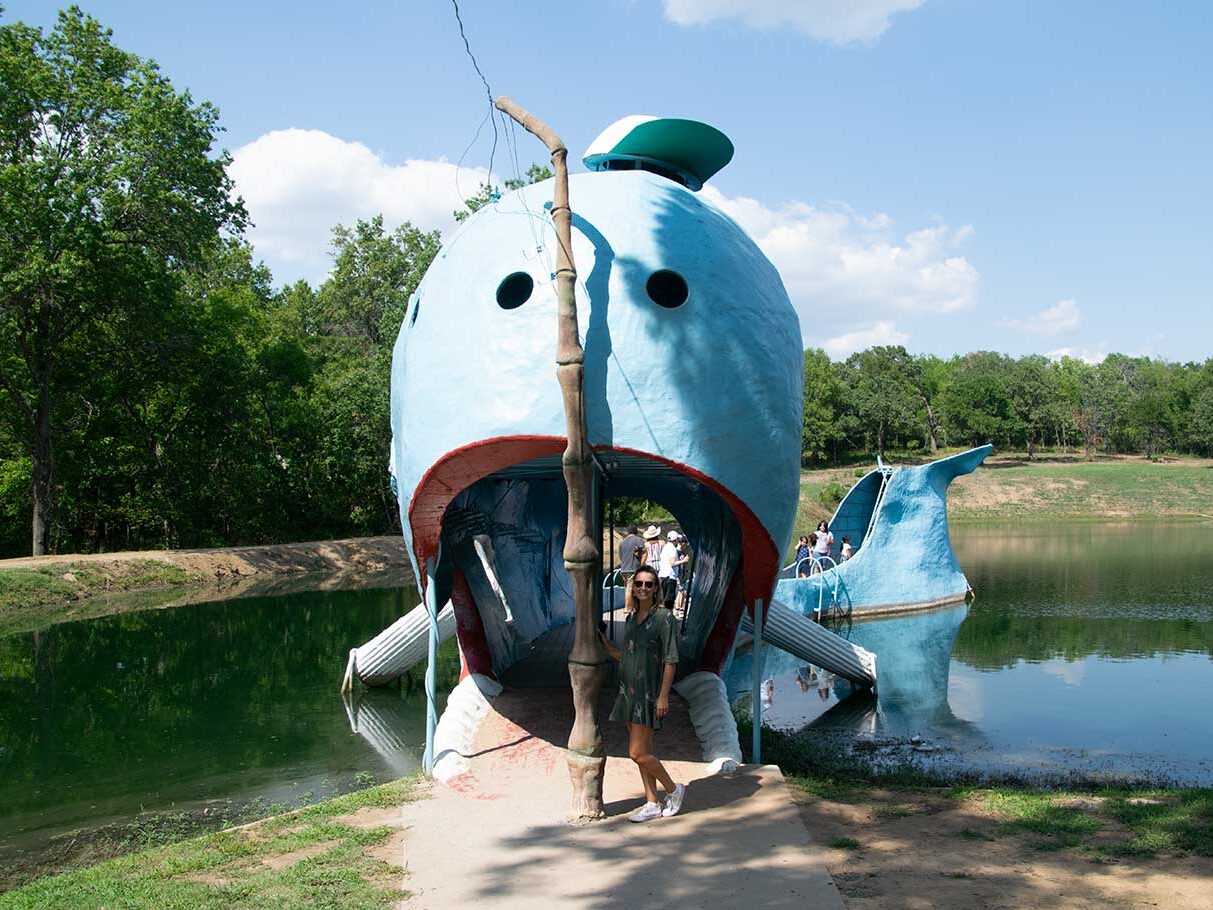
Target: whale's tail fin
(944, 471)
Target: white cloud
(297, 184)
(878, 333)
(849, 274)
(1092, 354)
(842, 268)
(835, 21)
(1064, 316)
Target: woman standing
(825, 540)
(648, 660)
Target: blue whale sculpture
(897, 521)
(692, 393)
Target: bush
(831, 494)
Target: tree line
(886, 397)
(158, 390)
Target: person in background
(667, 571)
(825, 540)
(631, 549)
(847, 552)
(652, 547)
(683, 574)
(812, 567)
(802, 553)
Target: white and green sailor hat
(687, 150)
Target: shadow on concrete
(731, 849)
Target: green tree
(976, 403)
(108, 188)
(1200, 422)
(930, 378)
(374, 274)
(1153, 408)
(823, 406)
(486, 192)
(1030, 393)
(883, 390)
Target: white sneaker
(673, 802)
(646, 813)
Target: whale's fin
(948, 469)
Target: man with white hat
(666, 571)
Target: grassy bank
(30, 597)
(343, 854)
(906, 837)
(1113, 819)
(39, 592)
(1051, 487)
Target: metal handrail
(820, 562)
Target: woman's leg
(635, 734)
(640, 749)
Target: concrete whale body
(897, 520)
(696, 406)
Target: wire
(487, 91)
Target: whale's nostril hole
(667, 289)
(514, 290)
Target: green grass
(1054, 815)
(845, 843)
(1049, 488)
(225, 870)
(33, 598)
(1055, 826)
(1169, 821)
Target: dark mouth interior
(505, 536)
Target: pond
(224, 709)
(1087, 652)
(1087, 649)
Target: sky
(952, 175)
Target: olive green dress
(647, 647)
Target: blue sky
(951, 174)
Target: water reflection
(105, 718)
(914, 660)
(1088, 650)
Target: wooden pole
(582, 559)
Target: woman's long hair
(823, 525)
(656, 589)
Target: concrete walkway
(495, 838)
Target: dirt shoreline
(352, 555)
(45, 590)
(890, 848)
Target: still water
(1087, 651)
(180, 709)
(1089, 648)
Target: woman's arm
(663, 698)
(614, 652)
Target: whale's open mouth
(495, 513)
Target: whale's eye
(667, 289)
(515, 290)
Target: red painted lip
(460, 468)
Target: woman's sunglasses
(644, 584)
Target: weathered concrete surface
(494, 838)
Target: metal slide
(795, 633)
(398, 648)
